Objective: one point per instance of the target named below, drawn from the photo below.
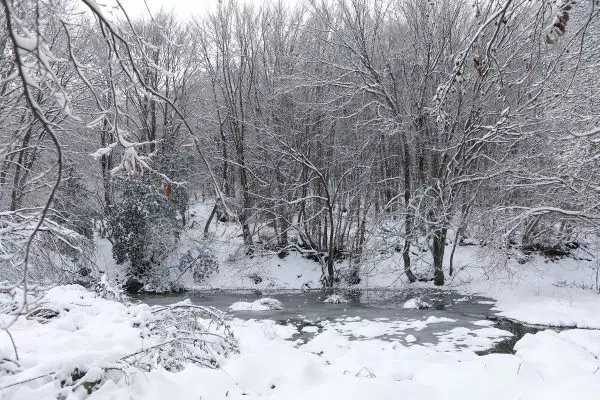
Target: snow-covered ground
(343, 358)
(539, 291)
(92, 333)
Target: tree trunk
(244, 217)
(451, 269)
(210, 217)
(20, 172)
(438, 249)
(283, 232)
(331, 250)
(106, 164)
(408, 221)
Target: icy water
(307, 309)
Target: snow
(94, 374)
(368, 329)
(264, 304)
(351, 357)
(262, 271)
(436, 320)
(335, 299)
(541, 291)
(90, 333)
(476, 340)
(577, 310)
(484, 322)
(416, 303)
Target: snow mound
(483, 322)
(417, 304)
(264, 304)
(335, 299)
(436, 320)
(90, 343)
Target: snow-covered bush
(350, 274)
(202, 262)
(8, 366)
(109, 290)
(161, 280)
(90, 341)
(57, 254)
(335, 299)
(144, 229)
(184, 333)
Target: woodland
(307, 125)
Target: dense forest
(307, 125)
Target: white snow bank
(264, 304)
(577, 351)
(264, 270)
(417, 303)
(483, 322)
(571, 308)
(335, 299)
(547, 365)
(538, 292)
(92, 339)
(333, 367)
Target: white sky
(181, 7)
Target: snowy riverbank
(529, 288)
(91, 333)
(343, 358)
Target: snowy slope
(538, 292)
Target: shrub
(143, 227)
(201, 262)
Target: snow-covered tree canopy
(317, 121)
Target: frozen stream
(451, 322)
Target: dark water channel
(308, 309)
